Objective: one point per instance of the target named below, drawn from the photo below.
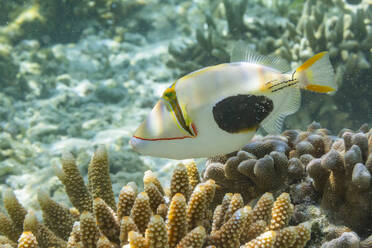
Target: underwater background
(78, 74)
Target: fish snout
(134, 143)
(158, 129)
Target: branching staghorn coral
(8, 228)
(156, 233)
(176, 220)
(180, 181)
(56, 217)
(126, 200)
(141, 211)
(187, 223)
(107, 220)
(99, 177)
(156, 198)
(44, 236)
(75, 188)
(126, 225)
(27, 240)
(14, 209)
(89, 233)
(193, 174)
(74, 239)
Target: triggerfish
(218, 109)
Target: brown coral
(257, 168)
(107, 220)
(156, 233)
(265, 240)
(262, 209)
(56, 217)
(229, 233)
(177, 223)
(183, 224)
(8, 228)
(126, 225)
(313, 163)
(180, 181)
(75, 188)
(150, 177)
(193, 174)
(141, 211)
(27, 240)
(88, 230)
(196, 207)
(195, 238)
(155, 197)
(236, 202)
(75, 235)
(136, 240)
(103, 242)
(99, 177)
(303, 235)
(15, 210)
(162, 210)
(45, 237)
(281, 212)
(126, 200)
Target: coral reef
(343, 175)
(75, 74)
(315, 166)
(187, 223)
(312, 166)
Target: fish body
(217, 110)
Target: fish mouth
(134, 142)
(160, 125)
(138, 145)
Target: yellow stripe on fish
(181, 119)
(319, 88)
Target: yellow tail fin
(317, 74)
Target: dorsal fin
(243, 53)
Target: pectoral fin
(241, 113)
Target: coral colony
(266, 195)
(180, 216)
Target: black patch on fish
(239, 113)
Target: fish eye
(169, 93)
